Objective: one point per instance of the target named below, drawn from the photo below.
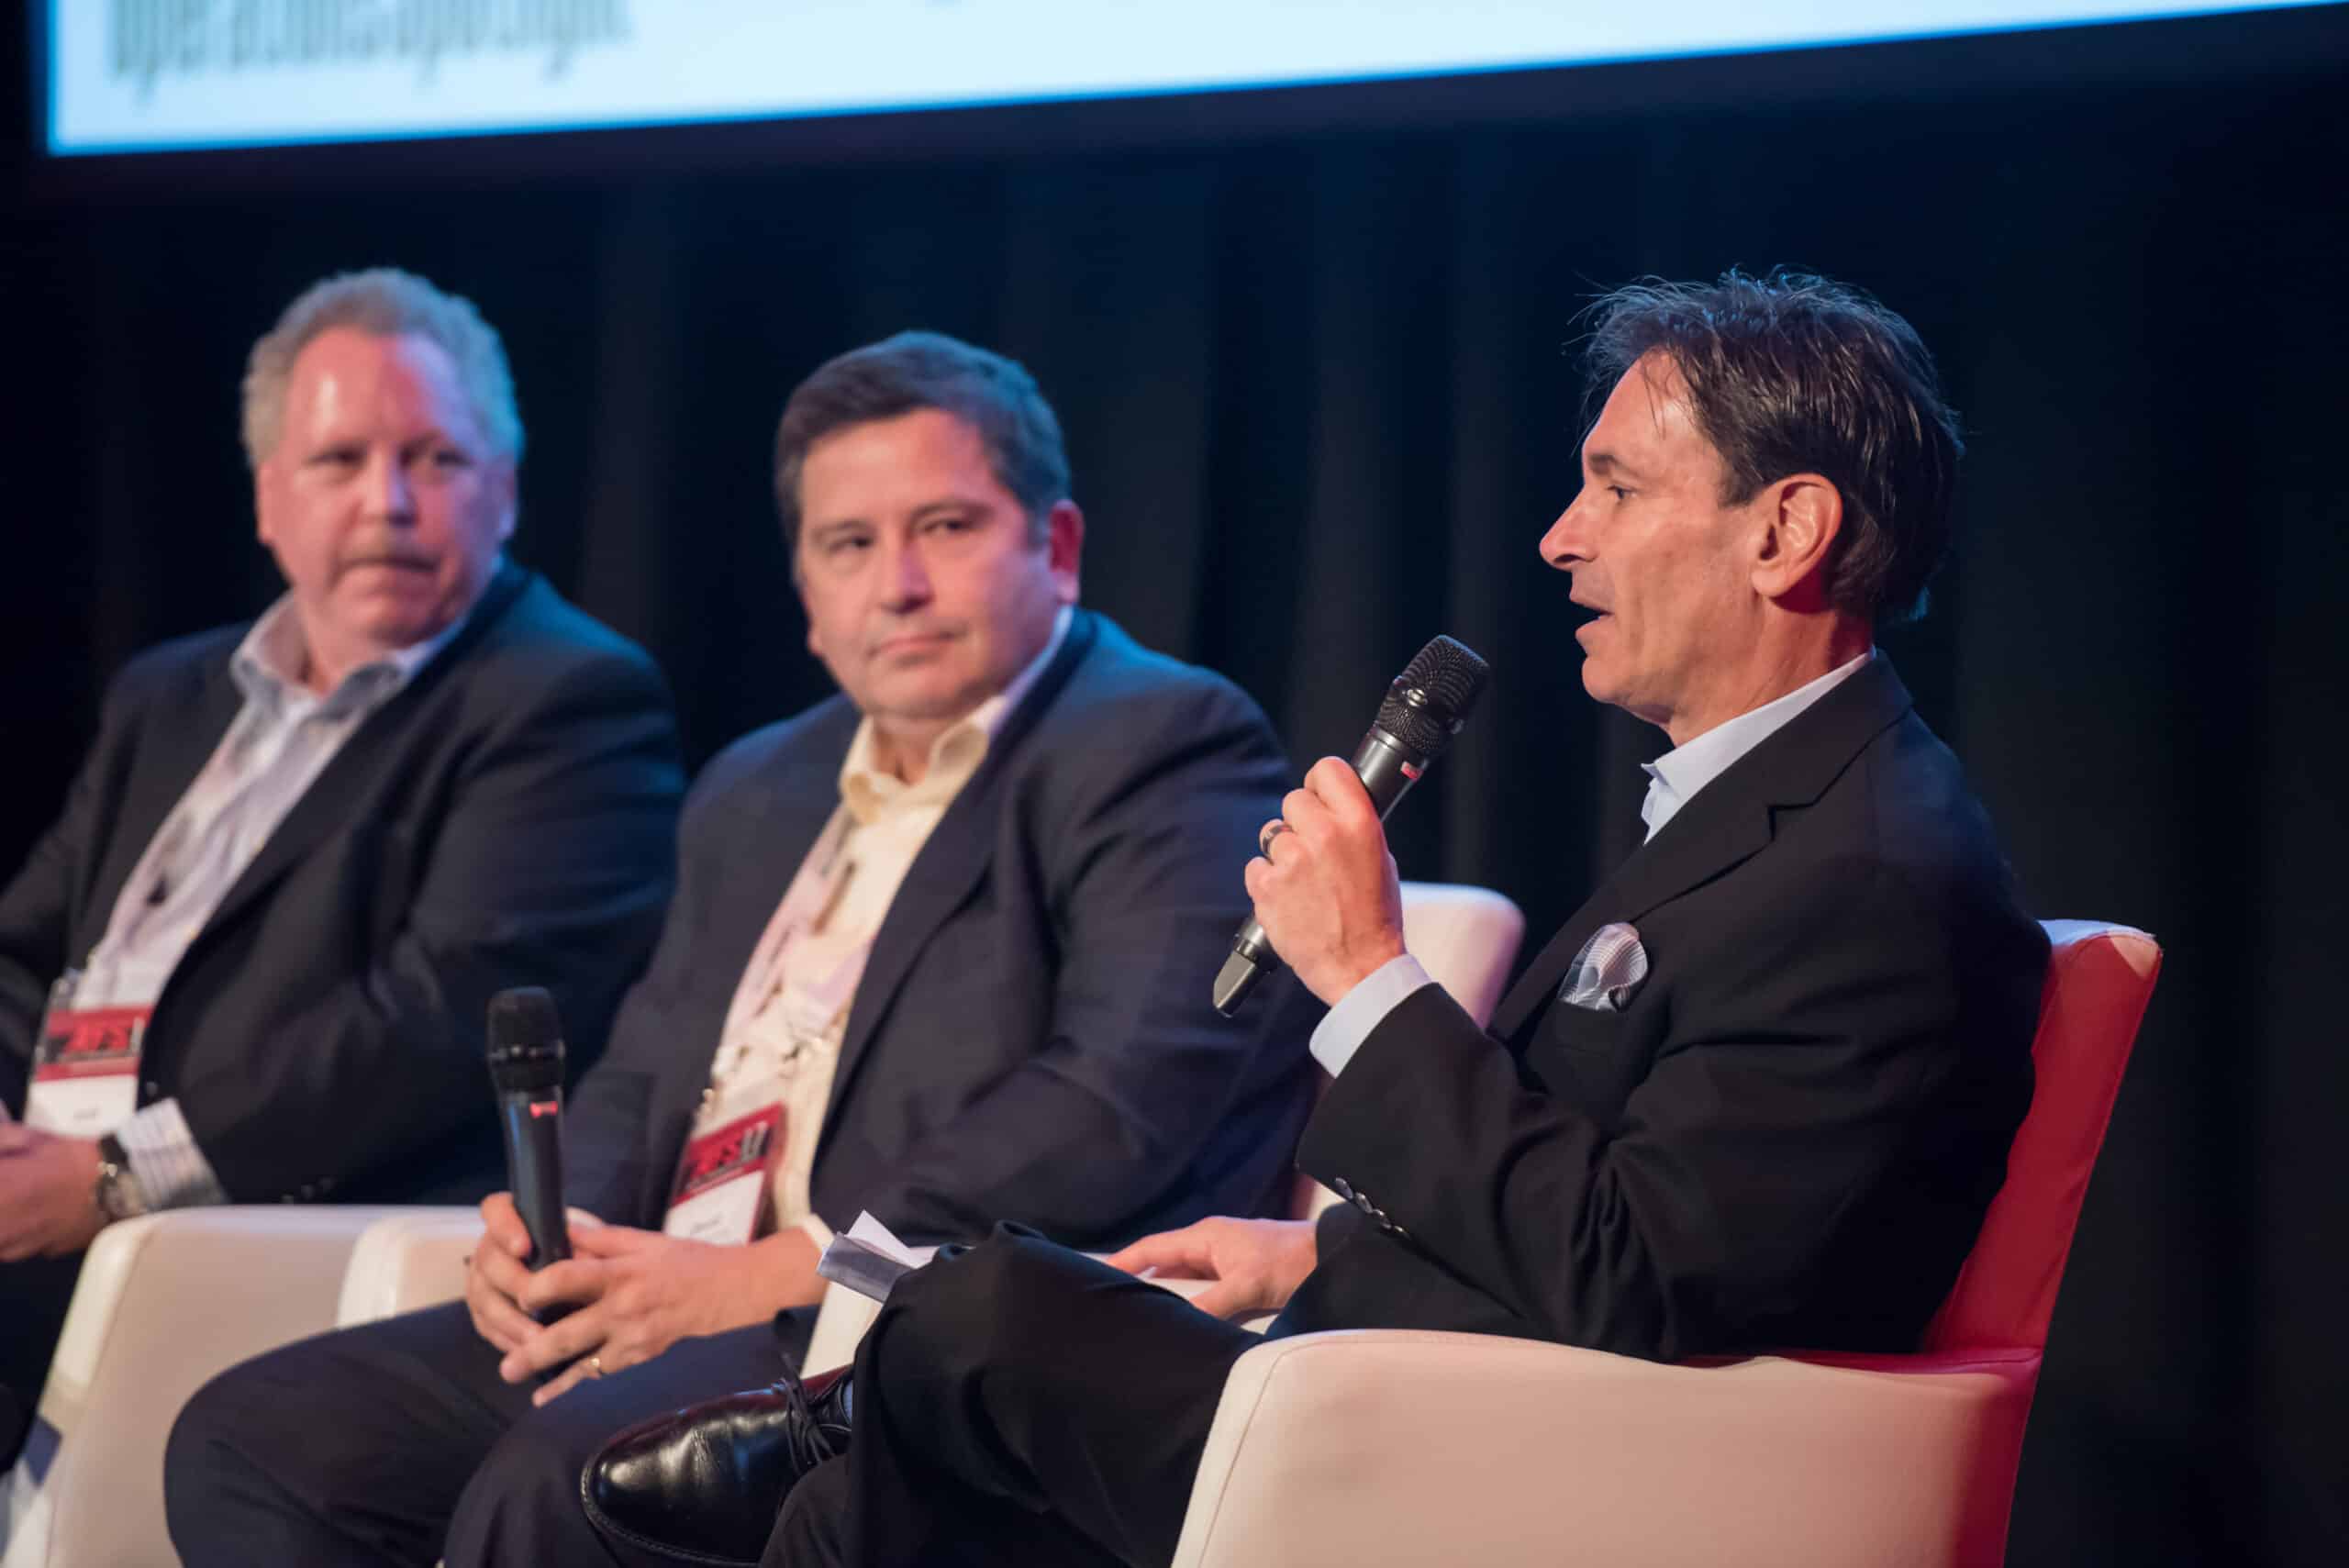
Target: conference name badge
(720, 1191)
(86, 1068)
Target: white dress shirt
(1673, 780)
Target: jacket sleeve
(1141, 1093)
(551, 864)
(37, 907)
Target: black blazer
(1789, 1135)
(505, 820)
(1033, 1038)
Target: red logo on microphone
(545, 1107)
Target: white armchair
(1519, 1452)
(1514, 1451)
(163, 1303)
(409, 1259)
(1380, 1449)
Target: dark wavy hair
(994, 396)
(1792, 374)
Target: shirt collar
(869, 789)
(1675, 777)
(268, 664)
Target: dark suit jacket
(1786, 1138)
(505, 820)
(1033, 1038)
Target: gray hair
(386, 303)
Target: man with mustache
(938, 951)
(250, 960)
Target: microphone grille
(525, 1040)
(523, 1017)
(1430, 700)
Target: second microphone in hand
(1423, 710)
(526, 1068)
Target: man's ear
(800, 586)
(508, 492)
(265, 481)
(1801, 517)
(1064, 547)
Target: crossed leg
(1018, 1403)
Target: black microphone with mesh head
(526, 1068)
(1424, 709)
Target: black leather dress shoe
(703, 1485)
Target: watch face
(117, 1193)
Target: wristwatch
(117, 1193)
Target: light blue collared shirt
(281, 740)
(1673, 780)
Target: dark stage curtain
(1321, 407)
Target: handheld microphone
(1423, 710)
(526, 1068)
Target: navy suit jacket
(1787, 1136)
(505, 820)
(1033, 1038)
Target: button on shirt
(281, 740)
(1673, 780)
(790, 1012)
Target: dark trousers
(397, 1442)
(34, 1294)
(1017, 1404)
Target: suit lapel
(172, 749)
(783, 806)
(364, 761)
(1729, 820)
(951, 862)
(793, 803)
(1668, 865)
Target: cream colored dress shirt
(784, 1029)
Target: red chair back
(2099, 978)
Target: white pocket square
(1608, 971)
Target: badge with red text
(85, 1069)
(720, 1191)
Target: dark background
(1310, 349)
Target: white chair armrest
(409, 1259)
(1395, 1447)
(1465, 937)
(163, 1303)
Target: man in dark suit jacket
(1026, 1037)
(1757, 1092)
(1028, 992)
(315, 845)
